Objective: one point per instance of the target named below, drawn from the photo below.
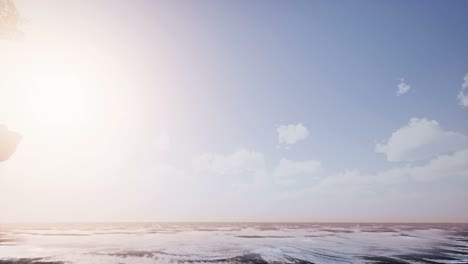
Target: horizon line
(236, 222)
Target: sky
(236, 111)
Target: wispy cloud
(290, 172)
(444, 166)
(241, 164)
(463, 95)
(403, 87)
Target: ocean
(233, 243)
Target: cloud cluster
(307, 190)
(463, 94)
(250, 166)
(421, 139)
(291, 134)
(355, 182)
(443, 166)
(403, 87)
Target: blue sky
(331, 65)
(199, 89)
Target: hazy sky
(236, 111)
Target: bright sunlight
(56, 97)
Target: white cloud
(401, 193)
(290, 172)
(421, 139)
(455, 165)
(403, 87)
(291, 134)
(245, 166)
(463, 95)
(444, 166)
(238, 164)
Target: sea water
(233, 243)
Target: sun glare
(57, 97)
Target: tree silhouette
(8, 142)
(9, 20)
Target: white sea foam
(234, 243)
